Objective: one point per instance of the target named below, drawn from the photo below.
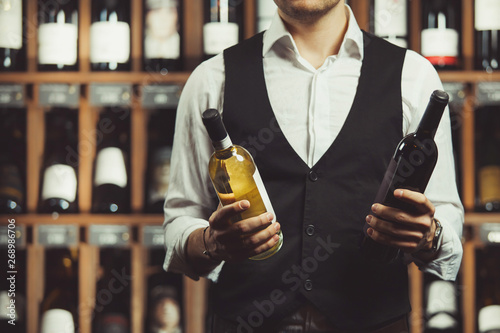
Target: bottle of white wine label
(410, 168)
(235, 176)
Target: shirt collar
(352, 45)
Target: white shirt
(311, 106)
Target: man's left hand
(411, 232)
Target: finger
(252, 225)
(220, 218)
(403, 244)
(416, 199)
(258, 238)
(421, 222)
(396, 230)
(265, 246)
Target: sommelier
(320, 105)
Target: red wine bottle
(410, 168)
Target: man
(321, 105)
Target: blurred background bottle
(110, 35)
(12, 160)
(223, 25)
(440, 37)
(60, 302)
(112, 310)
(488, 157)
(59, 182)
(111, 190)
(58, 35)
(487, 34)
(12, 46)
(163, 36)
(389, 20)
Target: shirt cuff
(446, 264)
(175, 246)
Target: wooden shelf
(85, 219)
(476, 219)
(469, 76)
(141, 78)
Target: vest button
(308, 285)
(310, 230)
(313, 176)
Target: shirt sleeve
(420, 79)
(191, 198)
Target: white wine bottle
(235, 176)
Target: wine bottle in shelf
(12, 48)
(223, 25)
(60, 302)
(441, 308)
(487, 34)
(160, 140)
(488, 289)
(235, 176)
(12, 161)
(58, 35)
(265, 13)
(389, 20)
(163, 36)
(110, 35)
(59, 176)
(111, 190)
(410, 168)
(488, 158)
(112, 308)
(164, 312)
(440, 38)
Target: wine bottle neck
(429, 123)
(432, 116)
(222, 144)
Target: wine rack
(137, 223)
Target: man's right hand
(241, 240)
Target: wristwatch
(436, 241)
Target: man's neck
(321, 38)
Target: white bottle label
(390, 18)
(11, 24)
(110, 167)
(487, 15)
(109, 42)
(57, 43)
(59, 181)
(439, 43)
(218, 36)
(263, 193)
(161, 38)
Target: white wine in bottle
(235, 176)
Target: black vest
(321, 209)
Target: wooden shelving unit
(195, 296)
